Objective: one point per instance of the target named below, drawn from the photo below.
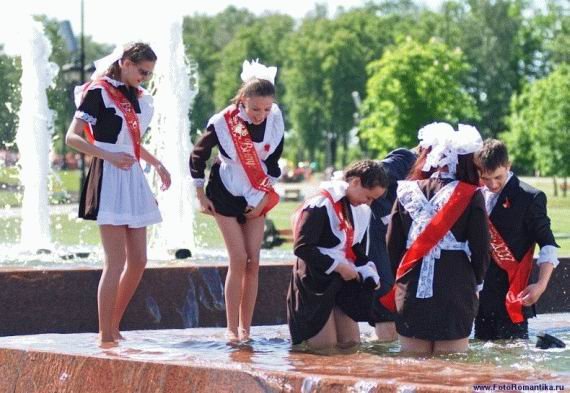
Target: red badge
(266, 147)
(506, 203)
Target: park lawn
(208, 234)
(67, 230)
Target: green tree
(541, 119)
(10, 99)
(498, 45)
(262, 40)
(205, 37)
(304, 80)
(60, 95)
(410, 86)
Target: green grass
(71, 231)
(64, 230)
(208, 234)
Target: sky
(117, 21)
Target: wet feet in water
(231, 337)
(244, 334)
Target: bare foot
(117, 336)
(232, 337)
(106, 342)
(243, 334)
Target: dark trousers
(497, 327)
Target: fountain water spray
(170, 138)
(34, 133)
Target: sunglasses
(144, 73)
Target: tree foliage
(539, 135)
(410, 86)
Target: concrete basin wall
(65, 301)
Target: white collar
(242, 113)
(336, 188)
(114, 82)
(487, 191)
(443, 175)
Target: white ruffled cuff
(548, 254)
(86, 117)
(480, 287)
(198, 183)
(369, 270)
(386, 219)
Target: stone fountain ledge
(171, 297)
(198, 360)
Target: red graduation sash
(345, 226)
(249, 159)
(439, 225)
(518, 272)
(125, 106)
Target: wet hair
(254, 88)
(466, 170)
(136, 52)
(370, 172)
(492, 155)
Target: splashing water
(170, 139)
(33, 136)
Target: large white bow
(255, 69)
(446, 144)
(103, 64)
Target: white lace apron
(422, 211)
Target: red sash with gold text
(518, 272)
(125, 107)
(439, 225)
(248, 158)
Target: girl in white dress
(114, 112)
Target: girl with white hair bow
(438, 243)
(249, 135)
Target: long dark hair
(466, 170)
(136, 52)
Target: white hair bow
(446, 144)
(255, 69)
(103, 64)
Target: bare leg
(326, 338)
(386, 331)
(253, 235)
(113, 239)
(235, 244)
(132, 274)
(415, 345)
(451, 346)
(347, 331)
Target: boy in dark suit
(396, 164)
(518, 221)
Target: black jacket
(397, 164)
(520, 217)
